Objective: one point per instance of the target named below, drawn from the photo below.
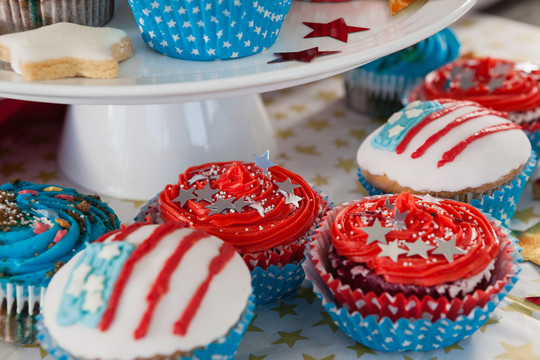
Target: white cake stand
(130, 136)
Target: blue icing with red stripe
(91, 283)
(401, 122)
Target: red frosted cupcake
(265, 211)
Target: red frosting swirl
(440, 220)
(247, 230)
(502, 85)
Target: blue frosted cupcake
(149, 292)
(377, 87)
(41, 228)
(209, 30)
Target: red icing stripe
(456, 150)
(143, 249)
(455, 123)
(128, 230)
(226, 252)
(428, 119)
(161, 284)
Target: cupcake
(21, 15)
(201, 30)
(376, 88)
(41, 228)
(502, 85)
(148, 292)
(403, 272)
(452, 149)
(265, 211)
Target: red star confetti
(336, 29)
(304, 55)
(534, 299)
(397, 5)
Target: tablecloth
(318, 137)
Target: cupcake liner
(399, 306)
(21, 15)
(199, 30)
(387, 332)
(223, 348)
(273, 283)
(499, 202)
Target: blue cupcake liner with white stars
(209, 30)
(409, 334)
(223, 348)
(500, 203)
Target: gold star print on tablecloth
(284, 309)
(49, 156)
(518, 352)
(8, 169)
(326, 320)
(318, 125)
(42, 352)
(360, 349)
(252, 326)
(290, 338)
(307, 357)
(306, 294)
(285, 133)
(253, 357)
(489, 321)
(307, 150)
(319, 180)
(521, 306)
(46, 176)
(525, 215)
(346, 164)
(455, 346)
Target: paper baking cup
(223, 348)
(385, 333)
(499, 202)
(203, 30)
(273, 283)
(19, 307)
(21, 15)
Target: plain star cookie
(66, 50)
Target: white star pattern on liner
(173, 19)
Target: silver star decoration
(399, 220)
(501, 69)
(455, 70)
(419, 247)
(220, 205)
(447, 248)
(292, 199)
(258, 207)
(240, 204)
(391, 250)
(185, 195)
(376, 232)
(466, 79)
(196, 178)
(387, 204)
(526, 67)
(429, 199)
(206, 193)
(286, 186)
(495, 83)
(263, 162)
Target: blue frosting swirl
(419, 59)
(43, 226)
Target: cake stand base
(133, 151)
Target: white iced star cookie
(66, 50)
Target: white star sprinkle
(94, 283)
(396, 130)
(92, 302)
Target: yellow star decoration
(518, 352)
(252, 327)
(253, 357)
(279, 116)
(46, 176)
(359, 189)
(306, 294)
(339, 113)
(308, 150)
(42, 352)
(489, 321)
(359, 134)
(289, 338)
(307, 357)
(285, 309)
(317, 125)
(456, 346)
(298, 108)
(346, 164)
(50, 156)
(327, 96)
(326, 320)
(319, 180)
(361, 349)
(521, 306)
(285, 133)
(525, 215)
(9, 169)
(340, 143)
